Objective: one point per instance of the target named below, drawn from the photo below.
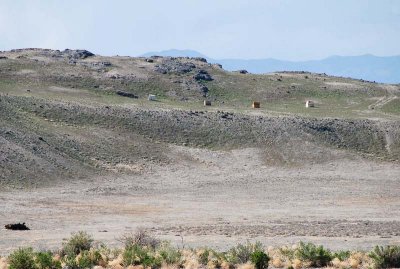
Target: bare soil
(218, 198)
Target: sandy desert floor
(217, 198)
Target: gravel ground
(218, 198)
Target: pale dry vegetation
(63, 122)
(141, 250)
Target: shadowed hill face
(62, 117)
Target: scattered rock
(127, 94)
(96, 64)
(161, 70)
(77, 54)
(204, 89)
(203, 75)
(171, 65)
(200, 59)
(115, 76)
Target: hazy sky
(283, 29)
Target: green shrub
(85, 259)
(203, 256)
(78, 242)
(386, 257)
(289, 253)
(70, 262)
(242, 253)
(342, 255)
(260, 259)
(44, 260)
(138, 255)
(316, 255)
(169, 254)
(22, 258)
(211, 258)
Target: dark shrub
(44, 260)
(260, 259)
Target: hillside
(66, 114)
(82, 148)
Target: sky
(244, 29)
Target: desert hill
(69, 114)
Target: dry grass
(245, 266)
(117, 262)
(283, 257)
(3, 263)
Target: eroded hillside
(71, 114)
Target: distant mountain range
(367, 67)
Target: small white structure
(309, 103)
(152, 97)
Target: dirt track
(219, 198)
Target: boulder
(77, 54)
(126, 94)
(203, 75)
(16, 227)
